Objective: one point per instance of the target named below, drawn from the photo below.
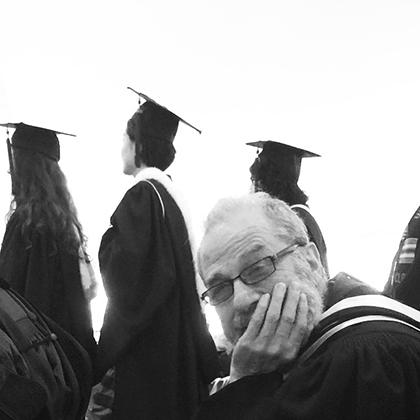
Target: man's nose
(243, 294)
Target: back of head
(36, 139)
(276, 171)
(153, 130)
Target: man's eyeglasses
(252, 274)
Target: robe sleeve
(41, 283)
(42, 270)
(370, 372)
(247, 398)
(21, 397)
(138, 270)
(30, 265)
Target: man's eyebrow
(256, 248)
(218, 277)
(249, 257)
(215, 279)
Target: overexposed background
(341, 78)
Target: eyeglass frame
(273, 258)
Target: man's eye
(219, 288)
(258, 269)
(220, 291)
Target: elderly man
(362, 360)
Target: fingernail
(265, 297)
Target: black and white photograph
(209, 210)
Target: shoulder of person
(303, 212)
(344, 285)
(140, 190)
(300, 208)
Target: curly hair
(151, 149)
(42, 201)
(279, 181)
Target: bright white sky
(341, 78)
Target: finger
(273, 313)
(302, 328)
(257, 318)
(289, 311)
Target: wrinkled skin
(267, 322)
(273, 336)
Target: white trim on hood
(176, 194)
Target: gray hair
(286, 224)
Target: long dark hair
(42, 201)
(279, 182)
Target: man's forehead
(228, 235)
(248, 234)
(241, 218)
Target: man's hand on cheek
(274, 334)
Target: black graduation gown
(43, 271)
(314, 232)
(23, 397)
(368, 371)
(154, 331)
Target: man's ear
(312, 256)
(136, 149)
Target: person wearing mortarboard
(43, 255)
(154, 334)
(276, 171)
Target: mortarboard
(37, 139)
(156, 121)
(282, 148)
(283, 159)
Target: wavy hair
(42, 201)
(279, 183)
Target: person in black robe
(362, 359)
(276, 171)
(42, 253)
(154, 333)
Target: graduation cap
(37, 139)
(275, 147)
(283, 159)
(156, 121)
